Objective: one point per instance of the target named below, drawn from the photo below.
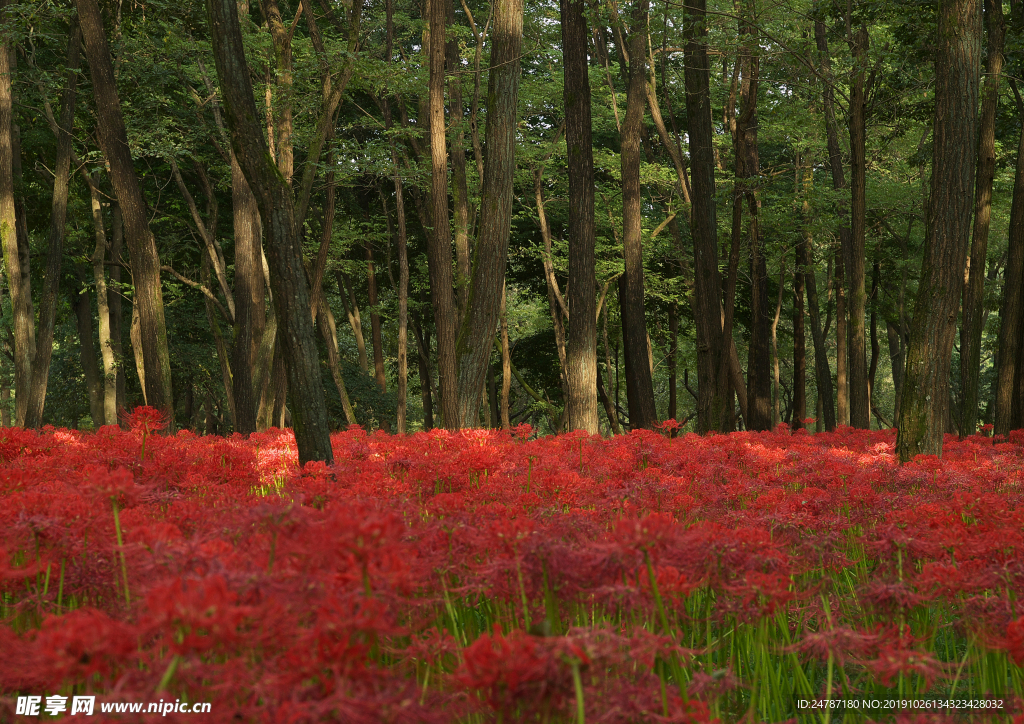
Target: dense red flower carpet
(481, 576)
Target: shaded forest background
(824, 119)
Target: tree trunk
(639, 383)
(860, 412)
(490, 252)
(759, 392)
(556, 304)
(673, 352)
(581, 344)
(145, 260)
(403, 260)
(250, 299)
(439, 238)
(18, 273)
(348, 300)
(799, 413)
(114, 298)
(1011, 312)
(87, 352)
(825, 405)
(958, 75)
(842, 341)
(506, 365)
(282, 39)
(712, 372)
(273, 196)
(974, 289)
(776, 389)
(55, 251)
(835, 158)
(135, 334)
(375, 333)
(103, 297)
(873, 365)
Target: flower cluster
(443, 577)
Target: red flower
(145, 419)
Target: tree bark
(835, 159)
(375, 332)
(842, 341)
(348, 300)
(114, 298)
(958, 75)
(439, 238)
(506, 365)
(250, 299)
(825, 406)
(974, 289)
(145, 260)
(403, 262)
(104, 315)
(18, 273)
(55, 251)
(1011, 312)
(581, 343)
(87, 352)
(759, 391)
(853, 254)
(712, 370)
(476, 336)
(799, 413)
(639, 383)
(273, 196)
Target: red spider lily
(840, 642)
(109, 485)
(1014, 641)
(195, 614)
(69, 648)
(145, 419)
(897, 655)
(520, 668)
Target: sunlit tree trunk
(145, 261)
(439, 237)
(581, 343)
(958, 74)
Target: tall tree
(490, 250)
(439, 238)
(581, 345)
(55, 251)
(16, 263)
(1011, 312)
(277, 210)
(712, 374)
(974, 288)
(853, 252)
(145, 260)
(639, 382)
(925, 402)
(759, 390)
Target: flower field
(484, 577)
